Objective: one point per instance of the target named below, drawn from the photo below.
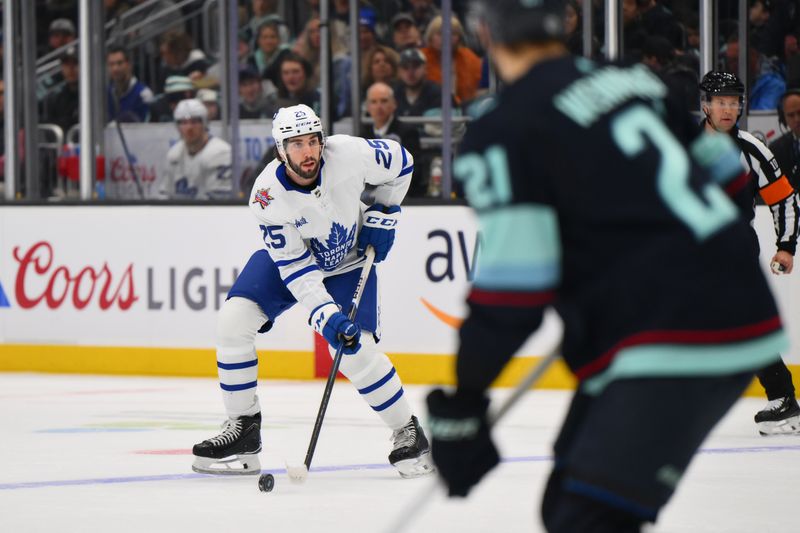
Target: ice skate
(411, 452)
(232, 452)
(781, 416)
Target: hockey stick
(413, 507)
(299, 474)
(124, 144)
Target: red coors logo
(61, 283)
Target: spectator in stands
(129, 99)
(573, 30)
(405, 33)
(198, 167)
(765, 81)
(787, 147)
(210, 99)
(262, 11)
(466, 64)
(308, 47)
(176, 89)
(113, 9)
(61, 33)
(252, 103)
(380, 64)
(658, 20)
(423, 12)
(268, 52)
(381, 106)
(692, 26)
(339, 21)
(149, 18)
(293, 87)
(214, 72)
(633, 32)
(415, 93)
(367, 39)
(61, 106)
(659, 55)
(766, 34)
(180, 58)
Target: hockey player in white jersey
(198, 167)
(317, 220)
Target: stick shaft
(337, 359)
(414, 507)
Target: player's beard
(305, 174)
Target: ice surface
(96, 453)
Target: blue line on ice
(334, 468)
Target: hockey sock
(776, 380)
(237, 363)
(238, 375)
(375, 378)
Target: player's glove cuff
(338, 330)
(377, 230)
(319, 317)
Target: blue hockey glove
(334, 325)
(378, 230)
(461, 445)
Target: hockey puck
(266, 482)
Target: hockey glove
(334, 325)
(461, 445)
(378, 230)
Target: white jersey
(205, 175)
(311, 233)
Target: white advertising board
(156, 276)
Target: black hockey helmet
(519, 21)
(717, 83)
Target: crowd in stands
(152, 64)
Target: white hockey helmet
(191, 108)
(292, 121)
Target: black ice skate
(411, 452)
(780, 417)
(234, 451)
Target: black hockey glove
(461, 445)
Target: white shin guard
(237, 363)
(376, 379)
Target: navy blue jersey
(593, 196)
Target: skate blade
(416, 467)
(236, 465)
(789, 426)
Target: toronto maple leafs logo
(184, 190)
(263, 198)
(332, 251)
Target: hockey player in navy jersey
(723, 103)
(317, 221)
(627, 242)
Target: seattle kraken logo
(331, 252)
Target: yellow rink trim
(144, 361)
(423, 369)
